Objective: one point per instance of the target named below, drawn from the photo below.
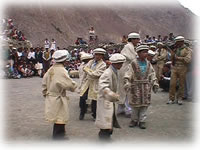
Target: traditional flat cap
(117, 58)
(179, 38)
(99, 51)
(159, 43)
(14, 48)
(152, 53)
(85, 56)
(61, 55)
(152, 46)
(142, 47)
(133, 36)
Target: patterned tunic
(140, 83)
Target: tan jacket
(54, 85)
(129, 52)
(107, 96)
(92, 78)
(185, 55)
(161, 56)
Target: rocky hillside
(66, 23)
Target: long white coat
(129, 52)
(54, 85)
(106, 98)
(92, 79)
(82, 75)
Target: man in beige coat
(89, 89)
(108, 84)
(54, 85)
(85, 58)
(160, 59)
(129, 52)
(181, 57)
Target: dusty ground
(24, 118)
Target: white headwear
(152, 53)
(159, 43)
(142, 47)
(152, 46)
(133, 36)
(61, 55)
(179, 38)
(117, 58)
(99, 51)
(85, 56)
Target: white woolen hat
(152, 53)
(117, 58)
(133, 36)
(152, 46)
(61, 55)
(179, 38)
(99, 51)
(85, 56)
(142, 47)
(160, 43)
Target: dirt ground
(24, 118)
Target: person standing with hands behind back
(139, 79)
(54, 85)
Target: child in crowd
(139, 79)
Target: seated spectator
(81, 41)
(77, 41)
(14, 72)
(22, 68)
(165, 78)
(29, 70)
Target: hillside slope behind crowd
(66, 23)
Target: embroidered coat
(139, 85)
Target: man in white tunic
(54, 85)
(108, 84)
(89, 89)
(129, 52)
(85, 58)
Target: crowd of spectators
(23, 62)
(10, 31)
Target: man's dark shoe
(81, 117)
(132, 124)
(142, 125)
